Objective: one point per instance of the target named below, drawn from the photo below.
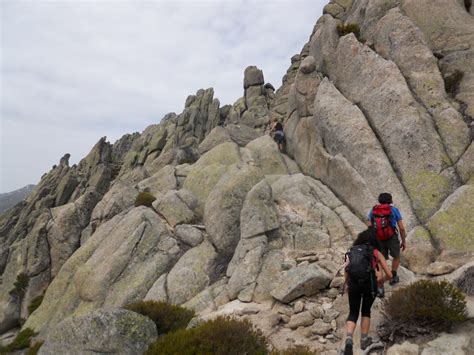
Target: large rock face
(239, 227)
(117, 265)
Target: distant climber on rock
(360, 280)
(278, 135)
(387, 224)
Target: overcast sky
(74, 71)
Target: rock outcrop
(238, 227)
(101, 331)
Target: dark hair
(385, 197)
(367, 237)
(363, 237)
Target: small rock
(320, 327)
(330, 336)
(189, 234)
(299, 307)
(440, 268)
(274, 319)
(303, 319)
(246, 294)
(327, 306)
(333, 293)
(309, 259)
(303, 263)
(322, 340)
(316, 311)
(337, 282)
(308, 65)
(330, 315)
(334, 325)
(305, 331)
(288, 264)
(283, 309)
(406, 348)
(250, 309)
(222, 299)
(285, 318)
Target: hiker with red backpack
(361, 281)
(387, 224)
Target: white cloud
(73, 71)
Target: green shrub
(295, 350)
(429, 304)
(167, 317)
(20, 286)
(144, 199)
(452, 81)
(21, 341)
(35, 303)
(344, 29)
(33, 350)
(221, 336)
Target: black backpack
(361, 261)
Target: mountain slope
(9, 199)
(235, 220)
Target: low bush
(344, 29)
(144, 199)
(21, 341)
(35, 303)
(167, 317)
(422, 308)
(295, 350)
(221, 336)
(20, 286)
(428, 302)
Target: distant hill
(10, 199)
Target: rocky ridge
(240, 228)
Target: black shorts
(390, 246)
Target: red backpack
(382, 221)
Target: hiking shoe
(380, 292)
(365, 343)
(395, 279)
(348, 348)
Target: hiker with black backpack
(361, 283)
(387, 224)
(276, 131)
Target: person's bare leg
(365, 340)
(351, 326)
(395, 263)
(364, 325)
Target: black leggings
(358, 293)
